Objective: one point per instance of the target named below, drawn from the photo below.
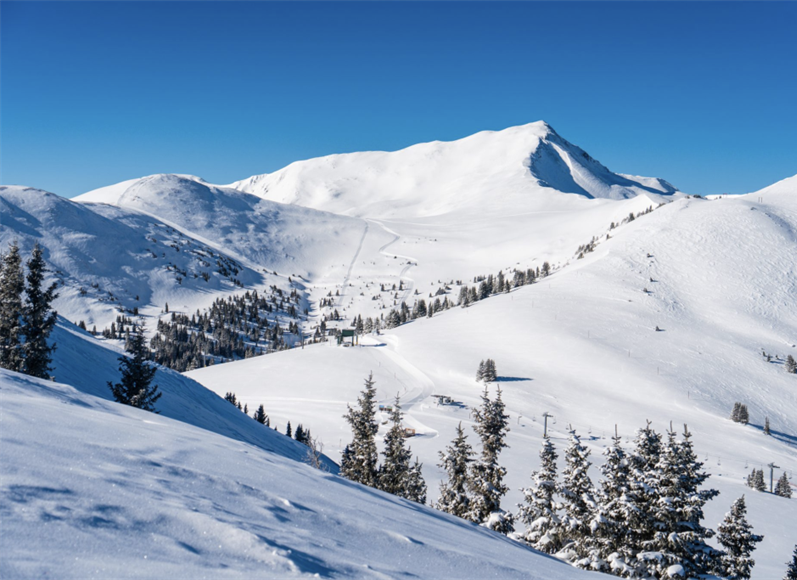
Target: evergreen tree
(539, 510)
(288, 431)
(758, 481)
(610, 521)
(791, 365)
(135, 388)
(393, 474)
(490, 374)
(360, 463)
(735, 412)
(298, 434)
(455, 460)
(744, 415)
(791, 571)
(480, 372)
(12, 284)
(261, 417)
(737, 538)
(38, 318)
(766, 426)
(783, 488)
(680, 536)
(577, 498)
(416, 486)
(486, 474)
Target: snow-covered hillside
(488, 172)
(718, 278)
(94, 489)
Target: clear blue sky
(701, 94)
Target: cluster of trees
(360, 461)
(757, 482)
(486, 371)
(301, 434)
(739, 414)
(233, 328)
(26, 314)
(485, 287)
(791, 365)
(643, 521)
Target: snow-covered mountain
(718, 278)
(364, 232)
(489, 172)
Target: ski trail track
(410, 287)
(351, 266)
(416, 384)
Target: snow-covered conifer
(578, 499)
(480, 372)
(360, 463)
(38, 318)
(791, 365)
(758, 481)
(455, 460)
(783, 487)
(392, 474)
(415, 488)
(12, 284)
(487, 475)
(791, 570)
(539, 510)
(738, 540)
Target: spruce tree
(455, 460)
(767, 430)
(609, 524)
(744, 415)
(38, 318)
(783, 488)
(288, 430)
(487, 475)
(360, 463)
(758, 481)
(578, 498)
(791, 571)
(738, 540)
(393, 474)
(735, 412)
(680, 537)
(791, 365)
(135, 388)
(416, 486)
(12, 285)
(480, 372)
(539, 510)
(261, 417)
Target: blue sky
(701, 94)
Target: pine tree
(758, 482)
(783, 488)
(486, 474)
(577, 498)
(737, 538)
(680, 536)
(288, 430)
(416, 486)
(539, 510)
(480, 372)
(393, 474)
(735, 413)
(490, 374)
(261, 417)
(299, 433)
(744, 415)
(455, 460)
(791, 571)
(791, 365)
(610, 522)
(135, 388)
(360, 463)
(38, 318)
(12, 284)
(766, 426)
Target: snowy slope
(89, 364)
(93, 489)
(487, 172)
(722, 285)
